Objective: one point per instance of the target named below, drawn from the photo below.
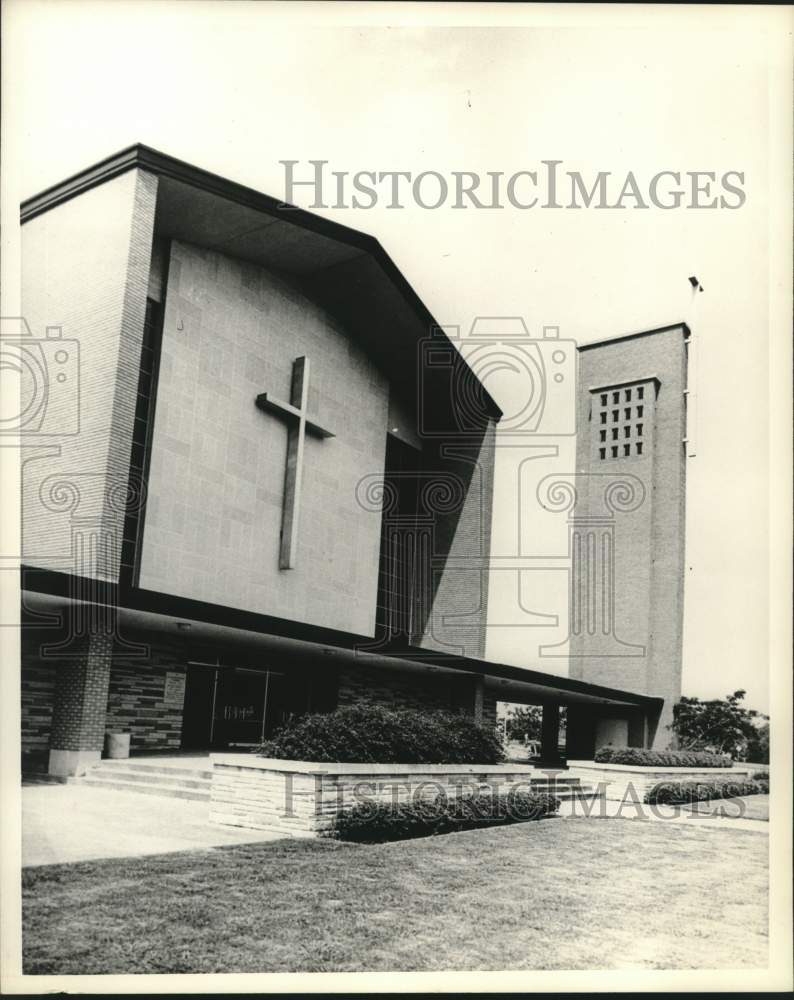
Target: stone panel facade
(628, 784)
(297, 799)
(233, 330)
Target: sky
(238, 87)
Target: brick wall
(136, 699)
(95, 697)
(128, 353)
(38, 694)
(81, 691)
(231, 331)
(85, 268)
(649, 540)
(63, 695)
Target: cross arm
(289, 412)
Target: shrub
(661, 758)
(762, 778)
(376, 822)
(365, 734)
(681, 792)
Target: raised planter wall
(627, 782)
(300, 799)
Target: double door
(230, 707)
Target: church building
(257, 482)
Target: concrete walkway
(749, 813)
(66, 823)
(74, 822)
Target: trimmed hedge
(680, 792)
(367, 734)
(661, 758)
(376, 822)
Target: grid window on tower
(623, 411)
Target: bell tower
(626, 523)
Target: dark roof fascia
(634, 336)
(146, 158)
(164, 165)
(67, 586)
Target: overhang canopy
(49, 593)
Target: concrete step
(566, 794)
(171, 789)
(190, 783)
(144, 778)
(151, 779)
(133, 770)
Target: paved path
(65, 823)
(749, 813)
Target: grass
(558, 894)
(747, 807)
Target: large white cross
(298, 425)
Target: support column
(638, 729)
(78, 718)
(479, 697)
(550, 736)
(580, 739)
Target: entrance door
(240, 705)
(197, 717)
(226, 706)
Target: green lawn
(557, 894)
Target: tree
(523, 722)
(757, 751)
(723, 726)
